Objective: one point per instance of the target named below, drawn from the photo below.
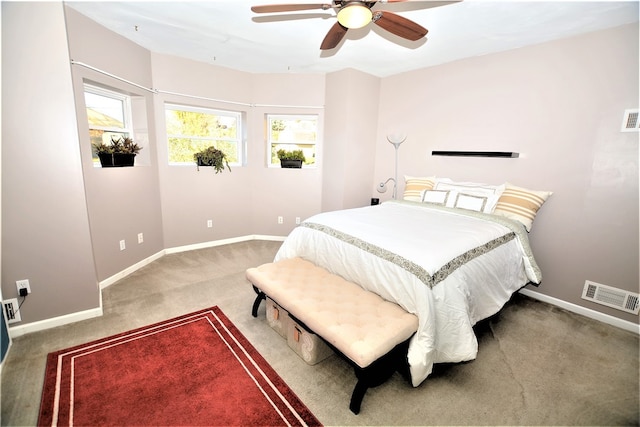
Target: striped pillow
(521, 204)
(415, 186)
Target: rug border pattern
(275, 390)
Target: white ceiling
(227, 33)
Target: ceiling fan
(357, 14)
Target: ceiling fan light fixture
(354, 15)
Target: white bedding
(450, 267)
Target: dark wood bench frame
(377, 373)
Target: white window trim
(126, 102)
(127, 113)
(216, 111)
(269, 116)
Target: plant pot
(123, 159)
(290, 163)
(201, 162)
(106, 160)
(204, 163)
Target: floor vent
(630, 122)
(611, 297)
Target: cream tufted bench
(371, 332)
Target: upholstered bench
(371, 332)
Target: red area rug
(197, 369)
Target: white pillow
(470, 202)
(438, 197)
(491, 192)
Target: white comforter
(449, 267)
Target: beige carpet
(537, 364)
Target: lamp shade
(396, 137)
(354, 15)
(382, 187)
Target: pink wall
(350, 134)
(45, 226)
(248, 200)
(121, 202)
(560, 105)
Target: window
(109, 115)
(191, 129)
(287, 132)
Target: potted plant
(125, 151)
(105, 154)
(121, 152)
(211, 156)
(291, 159)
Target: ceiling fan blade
(398, 25)
(333, 37)
(273, 8)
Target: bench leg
(372, 376)
(256, 304)
(377, 373)
(357, 396)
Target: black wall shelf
(503, 154)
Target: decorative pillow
(521, 204)
(438, 197)
(470, 202)
(491, 192)
(414, 186)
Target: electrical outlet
(280, 220)
(140, 238)
(23, 284)
(209, 223)
(297, 220)
(123, 245)
(11, 309)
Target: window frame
(125, 99)
(288, 116)
(238, 115)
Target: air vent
(611, 297)
(630, 122)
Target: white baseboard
(587, 312)
(16, 331)
(213, 243)
(270, 238)
(127, 271)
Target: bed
(450, 266)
